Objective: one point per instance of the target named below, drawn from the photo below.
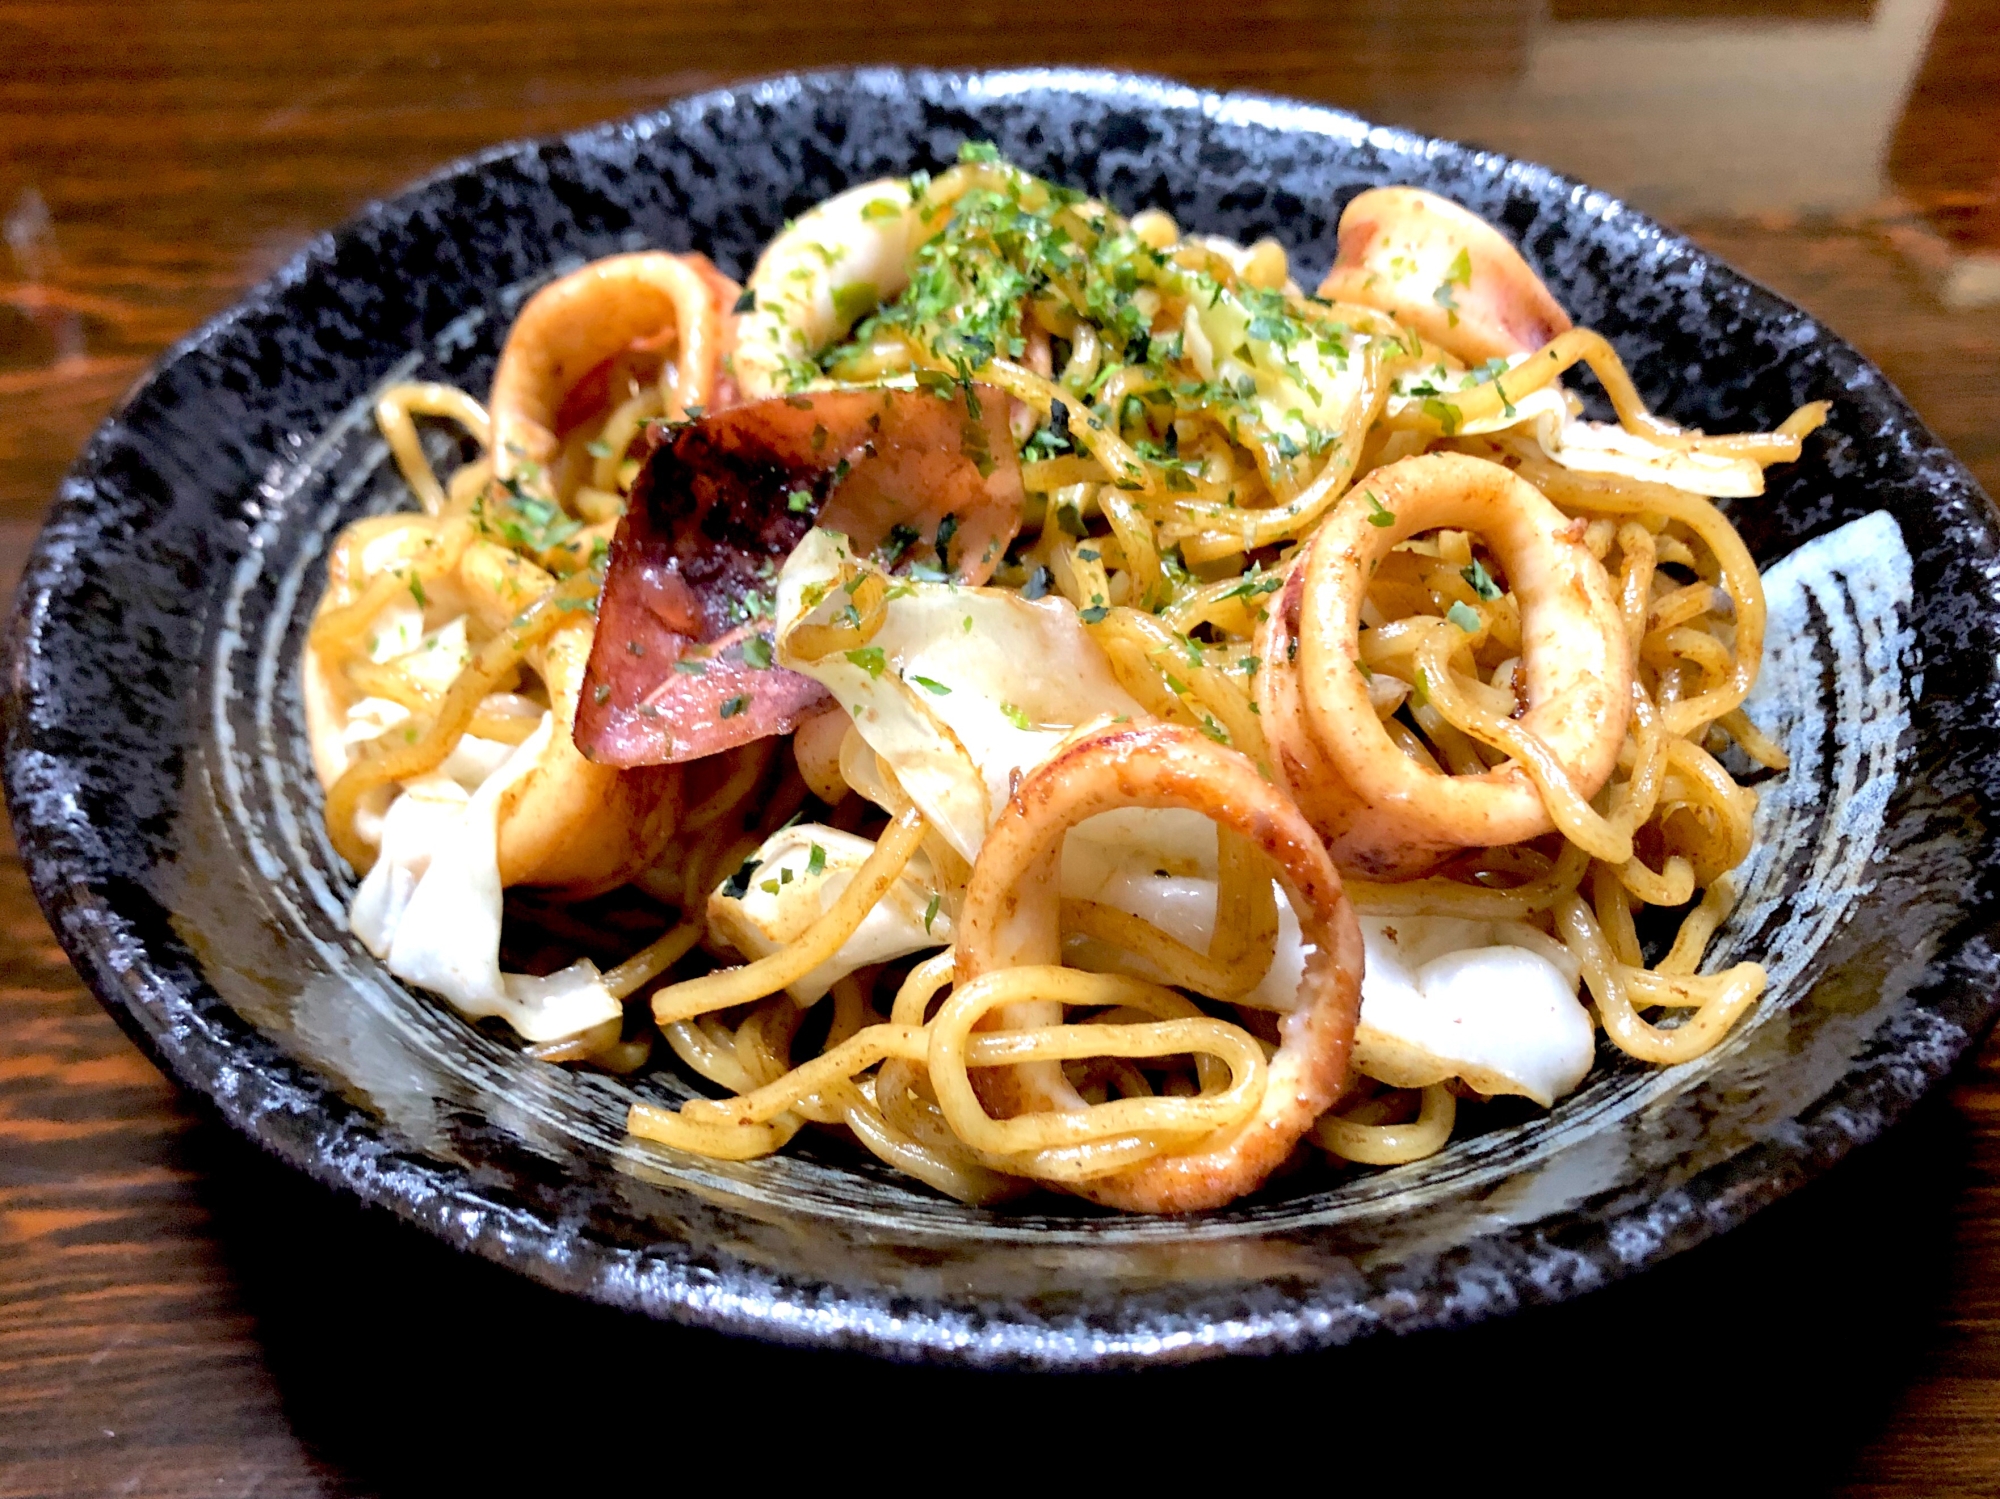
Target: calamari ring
(834, 264)
(570, 822)
(1400, 250)
(1011, 918)
(572, 325)
(1380, 812)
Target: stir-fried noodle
(1224, 720)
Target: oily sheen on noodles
(1042, 695)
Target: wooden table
(177, 1316)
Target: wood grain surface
(178, 1316)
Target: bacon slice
(680, 666)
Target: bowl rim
(442, 1199)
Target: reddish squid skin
(712, 517)
(1011, 918)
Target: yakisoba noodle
(1291, 764)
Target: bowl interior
(159, 780)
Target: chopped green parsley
(1479, 580)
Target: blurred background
(177, 1317)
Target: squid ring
(1380, 811)
(570, 822)
(817, 278)
(572, 325)
(1443, 271)
(1012, 919)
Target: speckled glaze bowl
(159, 784)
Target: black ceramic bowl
(158, 780)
